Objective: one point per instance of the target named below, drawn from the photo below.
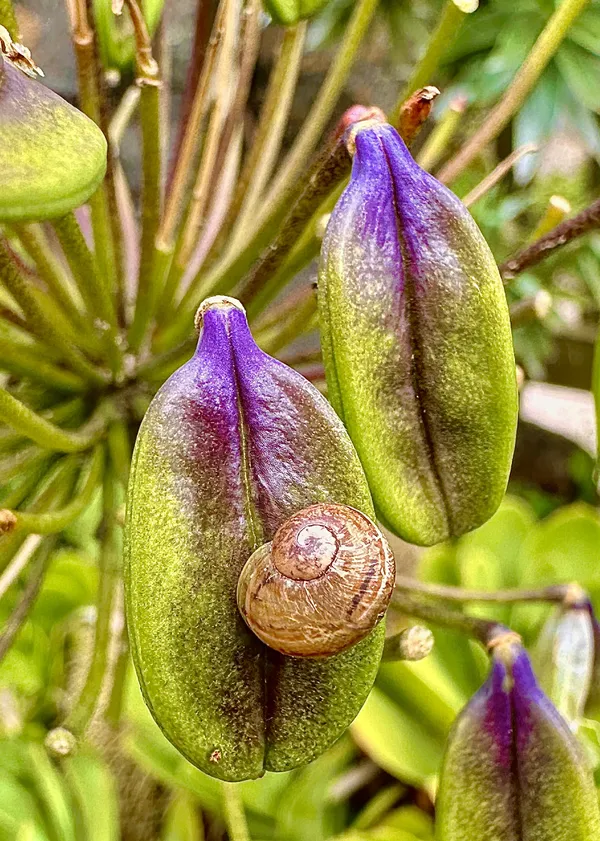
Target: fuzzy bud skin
(233, 445)
(513, 770)
(417, 344)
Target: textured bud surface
(417, 344)
(513, 771)
(41, 135)
(233, 445)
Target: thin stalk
(530, 71)
(42, 323)
(442, 37)
(67, 413)
(150, 84)
(175, 199)
(20, 360)
(498, 173)
(224, 78)
(51, 522)
(300, 321)
(20, 560)
(483, 630)
(552, 593)
(30, 593)
(320, 113)
(91, 102)
(411, 644)
(263, 154)
(28, 480)
(437, 144)
(119, 448)
(49, 269)
(557, 209)
(92, 283)
(83, 710)
(8, 19)
(233, 811)
(579, 225)
(46, 434)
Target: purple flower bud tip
(513, 770)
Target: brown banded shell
(321, 585)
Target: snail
(321, 585)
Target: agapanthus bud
(41, 136)
(513, 770)
(417, 343)
(564, 657)
(233, 445)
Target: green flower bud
(513, 770)
(417, 344)
(233, 445)
(52, 157)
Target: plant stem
(18, 617)
(274, 115)
(18, 287)
(91, 282)
(83, 710)
(91, 102)
(224, 76)
(498, 173)
(443, 36)
(582, 223)
(51, 522)
(25, 362)
(530, 71)
(437, 144)
(235, 817)
(552, 593)
(483, 630)
(299, 321)
(149, 82)
(46, 434)
(411, 644)
(51, 272)
(312, 129)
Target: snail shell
(321, 585)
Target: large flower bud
(513, 770)
(233, 445)
(417, 344)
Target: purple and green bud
(513, 770)
(233, 445)
(417, 343)
(41, 136)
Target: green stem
(233, 809)
(91, 103)
(83, 710)
(25, 362)
(320, 113)
(262, 157)
(40, 320)
(552, 593)
(443, 36)
(300, 321)
(51, 522)
(19, 616)
(66, 413)
(482, 630)
(91, 282)
(148, 288)
(530, 71)
(36, 244)
(47, 435)
(438, 142)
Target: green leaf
(397, 741)
(581, 71)
(95, 795)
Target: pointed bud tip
(216, 302)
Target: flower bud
(564, 657)
(232, 446)
(513, 771)
(417, 343)
(52, 157)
